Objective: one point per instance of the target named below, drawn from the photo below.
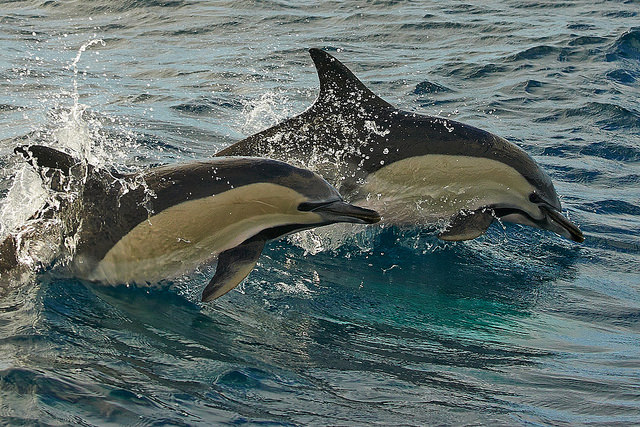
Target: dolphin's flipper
(467, 225)
(233, 266)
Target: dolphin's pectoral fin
(233, 266)
(467, 225)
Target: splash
(73, 132)
(334, 237)
(32, 214)
(266, 111)
(25, 196)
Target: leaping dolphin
(410, 167)
(159, 223)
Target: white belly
(430, 188)
(186, 235)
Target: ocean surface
(384, 326)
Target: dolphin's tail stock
(39, 240)
(8, 255)
(54, 167)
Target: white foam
(268, 110)
(26, 195)
(332, 237)
(39, 241)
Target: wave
(472, 71)
(581, 26)
(438, 25)
(535, 52)
(612, 150)
(627, 46)
(207, 106)
(531, 86)
(118, 6)
(612, 207)
(427, 87)
(625, 77)
(620, 14)
(607, 116)
(587, 40)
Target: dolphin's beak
(340, 211)
(561, 225)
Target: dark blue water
(386, 326)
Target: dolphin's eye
(306, 206)
(534, 198)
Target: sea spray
(40, 221)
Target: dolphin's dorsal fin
(339, 86)
(233, 266)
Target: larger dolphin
(408, 166)
(164, 221)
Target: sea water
(377, 325)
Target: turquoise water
(387, 326)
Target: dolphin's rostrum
(162, 222)
(412, 168)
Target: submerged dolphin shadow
(409, 264)
(412, 168)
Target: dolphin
(159, 223)
(412, 168)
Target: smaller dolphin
(412, 168)
(159, 223)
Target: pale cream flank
(186, 235)
(435, 187)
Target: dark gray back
(116, 206)
(366, 133)
(111, 205)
